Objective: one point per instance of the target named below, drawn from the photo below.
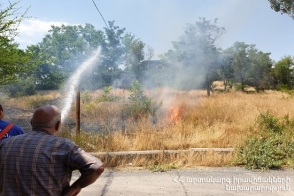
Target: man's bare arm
(83, 181)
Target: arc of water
(74, 81)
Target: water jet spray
(73, 82)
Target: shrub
(265, 152)
(85, 97)
(106, 95)
(239, 87)
(268, 122)
(140, 104)
(272, 124)
(271, 148)
(23, 88)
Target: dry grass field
(182, 120)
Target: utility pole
(78, 112)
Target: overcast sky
(159, 22)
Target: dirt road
(193, 182)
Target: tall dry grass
(33, 101)
(185, 119)
(221, 120)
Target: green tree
(283, 6)
(259, 73)
(112, 54)
(122, 49)
(226, 70)
(249, 65)
(47, 75)
(195, 54)
(62, 50)
(68, 45)
(209, 32)
(134, 55)
(9, 22)
(240, 61)
(13, 61)
(283, 72)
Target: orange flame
(175, 114)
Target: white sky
(159, 22)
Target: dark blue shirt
(15, 130)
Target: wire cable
(100, 14)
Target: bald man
(40, 163)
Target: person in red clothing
(12, 131)
(41, 163)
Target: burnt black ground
(19, 117)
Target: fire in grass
(174, 114)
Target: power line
(100, 14)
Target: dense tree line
(194, 61)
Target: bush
(106, 95)
(85, 97)
(239, 87)
(23, 88)
(272, 147)
(270, 123)
(140, 105)
(265, 152)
